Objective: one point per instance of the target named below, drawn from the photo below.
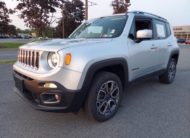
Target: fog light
(58, 97)
(50, 85)
(50, 98)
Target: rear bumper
(32, 90)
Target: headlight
(53, 59)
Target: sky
(177, 12)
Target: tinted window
(140, 23)
(106, 27)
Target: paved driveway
(149, 110)
(8, 54)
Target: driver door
(141, 53)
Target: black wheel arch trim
(174, 52)
(98, 66)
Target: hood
(59, 44)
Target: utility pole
(87, 5)
(63, 25)
(86, 9)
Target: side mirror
(144, 34)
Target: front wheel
(104, 96)
(169, 76)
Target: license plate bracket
(19, 83)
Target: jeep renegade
(94, 65)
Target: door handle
(154, 48)
(170, 44)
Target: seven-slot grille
(29, 58)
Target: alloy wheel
(107, 98)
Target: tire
(104, 96)
(169, 76)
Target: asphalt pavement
(149, 110)
(10, 54)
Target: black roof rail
(146, 13)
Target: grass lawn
(10, 44)
(7, 61)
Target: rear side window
(160, 27)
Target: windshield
(105, 27)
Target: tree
(73, 15)
(25, 31)
(11, 30)
(120, 6)
(4, 18)
(36, 13)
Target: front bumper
(69, 79)
(32, 90)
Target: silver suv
(92, 68)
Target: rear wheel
(169, 76)
(104, 96)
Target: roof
(148, 14)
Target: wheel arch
(175, 54)
(118, 66)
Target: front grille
(29, 58)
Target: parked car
(187, 42)
(180, 40)
(92, 68)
